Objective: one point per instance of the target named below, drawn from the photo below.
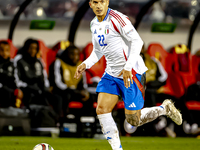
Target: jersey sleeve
(18, 72)
(128, 32)
(94, 56)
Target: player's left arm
(136, 43)
(130, 34)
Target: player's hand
(79, 70)
(127, 77)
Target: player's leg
(140, 117)
(107, 99)
(105, 105)
(134, 102)
(145, 115)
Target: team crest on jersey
(107, 29)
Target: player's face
(33, 49)
(4, 51)
(99, 7)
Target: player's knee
(102, 110)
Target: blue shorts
(132, 96)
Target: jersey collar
(106, 15)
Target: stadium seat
(187, 67)
(196, 66)
(51, 56)
(46, 54)
(183, 65)
(174, 85)
(154, 48)
(181, 54)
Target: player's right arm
(88, 63)
(91, 60)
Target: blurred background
(180, 12)
(171, 33)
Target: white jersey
(116, 39)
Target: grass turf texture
(128, 143)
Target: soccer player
(114, 37)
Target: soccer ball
(43, 146)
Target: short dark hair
(4, 42)
(65, 54)
(28, 42)
(71, 47)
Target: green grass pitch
(128, 143)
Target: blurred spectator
(10, 95)
(157, 14)
(31, 78)
(70, 8)
(64, 84)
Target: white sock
(151, 113)
(110, 130)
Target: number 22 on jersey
(101, 40)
